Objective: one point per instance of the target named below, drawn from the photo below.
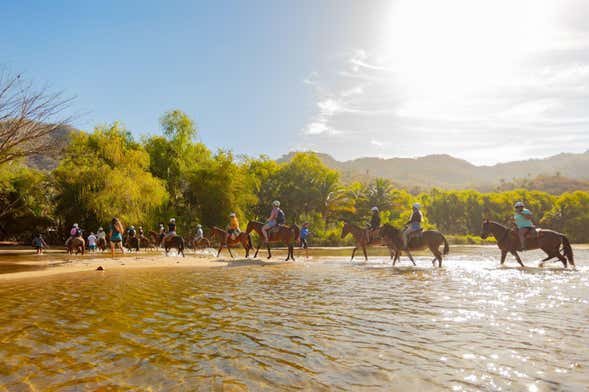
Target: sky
(487, 81)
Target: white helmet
(76, 225)
(232, 215)
(100, 228)
(173, 220)
(416, 205)
(519, 204)
(276, 203)
(199, 225)
(374, 209)
(132, 227)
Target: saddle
(533, 233)
(276, 229)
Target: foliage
(106, 174)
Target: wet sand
(22, 264)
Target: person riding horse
(199, 233)
(276, 218)
(413, 225)
(232, 228)
(171, 230)
(374, 224)
(523, 222)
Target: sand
(58, 263)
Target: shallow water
(305, 325)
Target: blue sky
(350, 78)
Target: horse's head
(250, 227)
(345, 229)
(486, 229)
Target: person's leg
(112, 249)
(406, 238)
(265, 229)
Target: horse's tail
(446, 246)
(568, 250)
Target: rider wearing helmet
(374, 223)
(524, 223)
(276, 218)
(131, 232)
(75, 231)
(171, 230)
(233, 230)
(413, 224)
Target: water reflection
(312, 326)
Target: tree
(28, 117)
(105, 174)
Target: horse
(78, 244)
(285, 234)
(243, 238)
(199, 243)
(145, 243)
(132, 243)
(360, 237)
(102, 244)
(174, 241)
(547, 240)
(155, 238)
(431, 239)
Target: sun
(453, 47)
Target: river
(313, 325)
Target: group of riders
(413, 227)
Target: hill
(58, 141)
(567, 171)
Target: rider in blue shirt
(524, 223)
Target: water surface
(319, 325)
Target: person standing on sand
(92, 242)
(116, 236)
(39, 243)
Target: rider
(374, 223)
(162, 231)
(199, 233)
(171, 230)
(74, 232)
(100, 233)
(277, 217)
(232, 228)
(413, 224)
(131, 232)
(140, 231)
(524, 223)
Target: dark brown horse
(288, 235)
(430, 239)
(76, 244)
(243, 238)
(360, 235)
(548, 240)
(174, 241)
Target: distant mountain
(445, 171)
(58, 141)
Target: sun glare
(453, 47)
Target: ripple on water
(313, 326)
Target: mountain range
(445, 171)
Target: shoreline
(51, 264)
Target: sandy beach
(54, 263)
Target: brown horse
(155, 238)
(243, 238)
(431, 239)
(78, 244)
(360, 235)
(288, 235)
(199, 243)
(548, 240)
(174, 241)
(145, 243)
(102, 244)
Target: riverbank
(20, 264)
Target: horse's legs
(288, 253)
(410, 257)
(396, 257)
(364, 250)
(220, 249)
(519, 260)
(269, 251)
(353, 253)
(257, 250)
(503, 256)
(229, 250)
(561, 258)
